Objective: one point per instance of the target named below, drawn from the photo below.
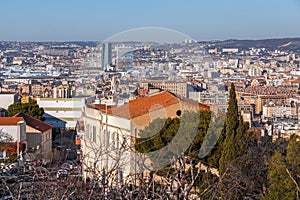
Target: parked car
(62, 173)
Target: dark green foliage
(177, 137)
(234, 133)
(161, 135)
(31, 109)
(161, 132)
(293, 156)
(214, 156)
(280, 186)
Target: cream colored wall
(46, 143)
(96, 151)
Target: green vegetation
(189, 130)
(31, 109)
(248, 165)
(234, 133)
(284, 173)
(281, 185)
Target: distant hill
(287, 44)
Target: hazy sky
(61, 20)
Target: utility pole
(134, 159)
(107, 137)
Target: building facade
(8, 98)
(15, 129)
(106, 55)
(110, 131)
(39, 138)
(180, 88)
(63, 112)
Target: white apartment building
(7, 99)
(63, 112)
(230, 50)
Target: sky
(97, 20)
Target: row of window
(113, 137)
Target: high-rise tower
(106, 55)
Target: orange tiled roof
(34, 123)
(10, 121)
(101, 107)
(143, 105)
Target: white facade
(230, 50)
(279, 111)
(6, 99)
(254, 71)
(63, 112)
(105, 136)
(17, 132)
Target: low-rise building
(39, 138)
(63, 112)
(13, 129)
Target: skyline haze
(96, 21)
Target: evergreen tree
(293, 155)
(233, 132)
(31, 109)
(293, 161)
(280, 186)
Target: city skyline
(97, 21)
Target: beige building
(180, 88)
(37, 89)
(266, 99)
(279, 111)
(39, 138)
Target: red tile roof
(144, 105)
(10, 121)
(101, 107)
(34, 123)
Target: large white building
(108, 141)
(63, 112)
(7, 99)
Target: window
(87, 129)
(113, 139)
(117, 140)
(94, 133)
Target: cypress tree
(230, 145)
